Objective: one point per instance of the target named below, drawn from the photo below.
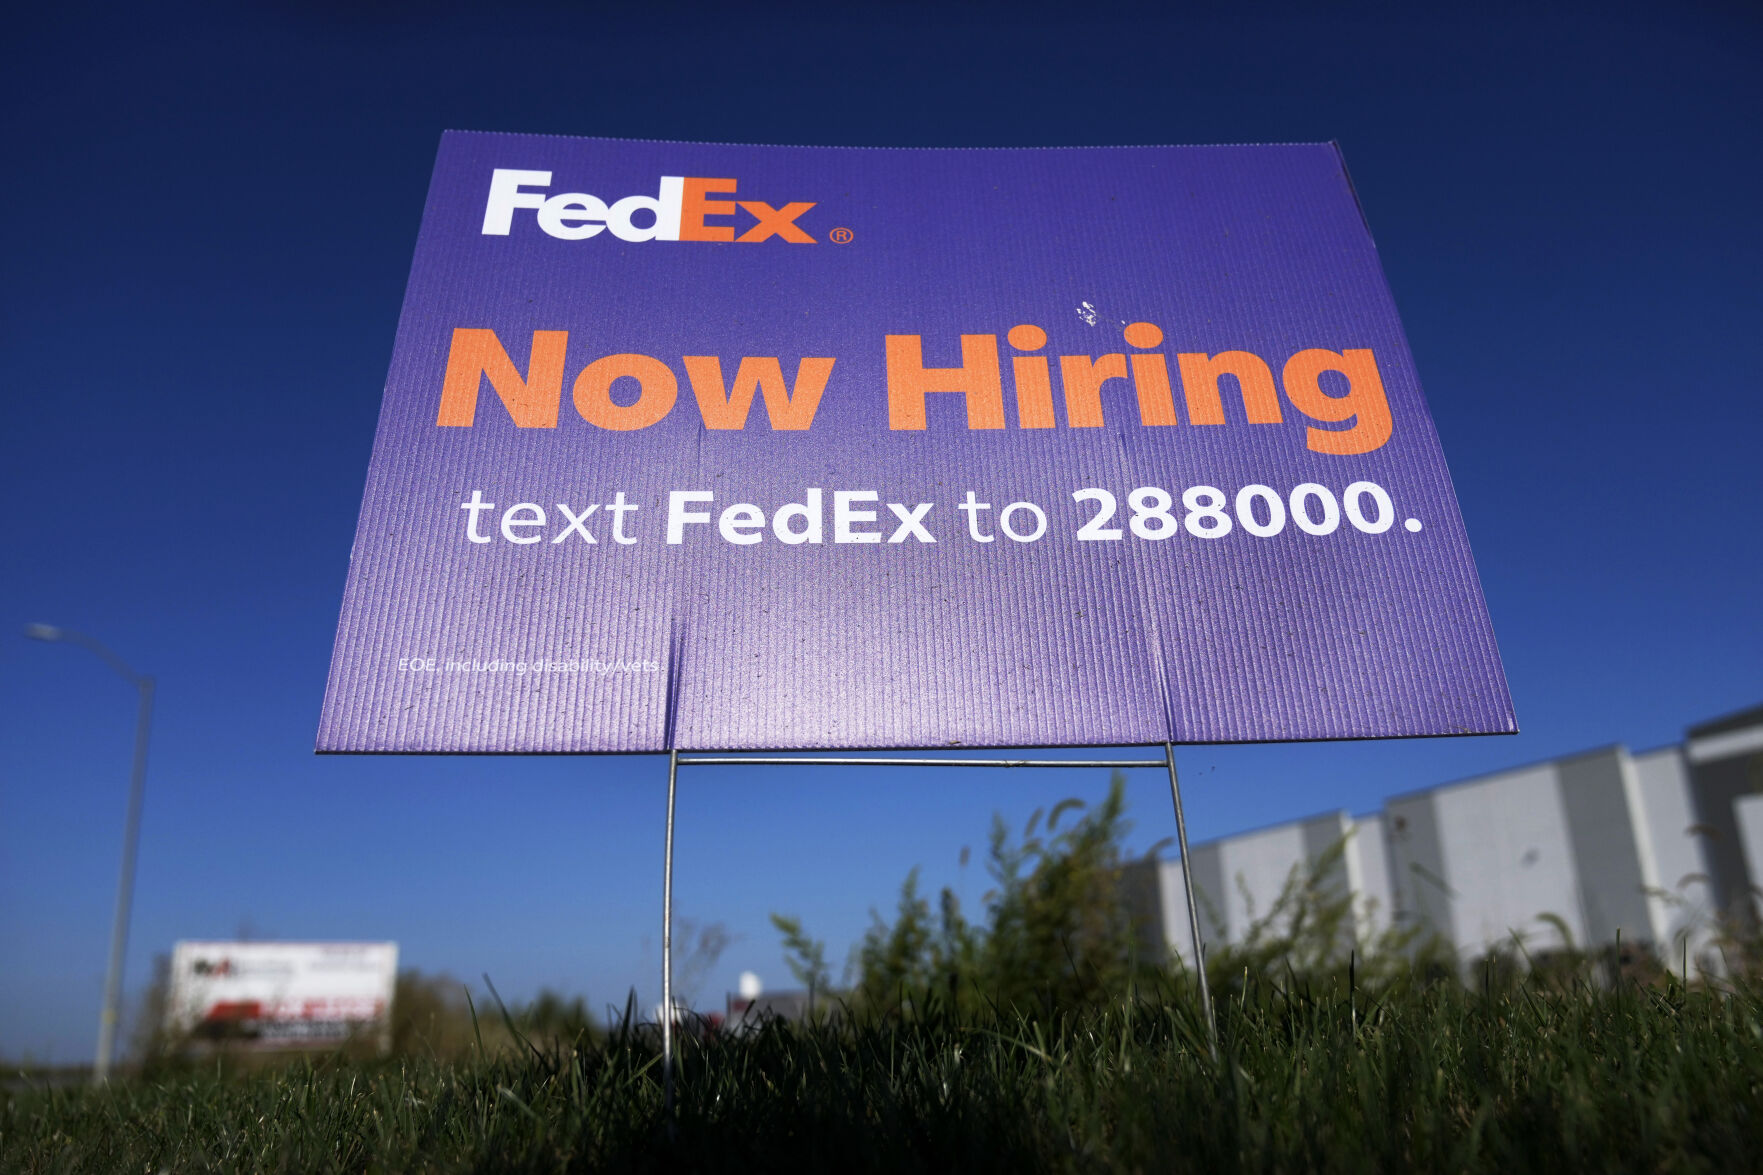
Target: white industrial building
(1661, 848)
(1686, 905)
(1580, 851)
(1725, 760)
(1239, 881)
(1749, 812)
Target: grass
(1532, 1078)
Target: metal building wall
(1683, 907)
(1256, 868)
(1483, 861)
(1726, 764)
(1419, 893)
(1749, 817)
(1602, 841)
(1239, 880)
(1612, 847)
(1369, 876)
(1569, 853)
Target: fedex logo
(682, 210)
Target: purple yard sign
(697, 446)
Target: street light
(131, 837)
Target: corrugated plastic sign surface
(719, 447)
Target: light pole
(131, 837)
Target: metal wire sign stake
(675, 762)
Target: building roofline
(1484, 777)
(1260, 828)
(1726, 723)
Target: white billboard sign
(281, 994)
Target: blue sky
(208, 217)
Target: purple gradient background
(1054, 642)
